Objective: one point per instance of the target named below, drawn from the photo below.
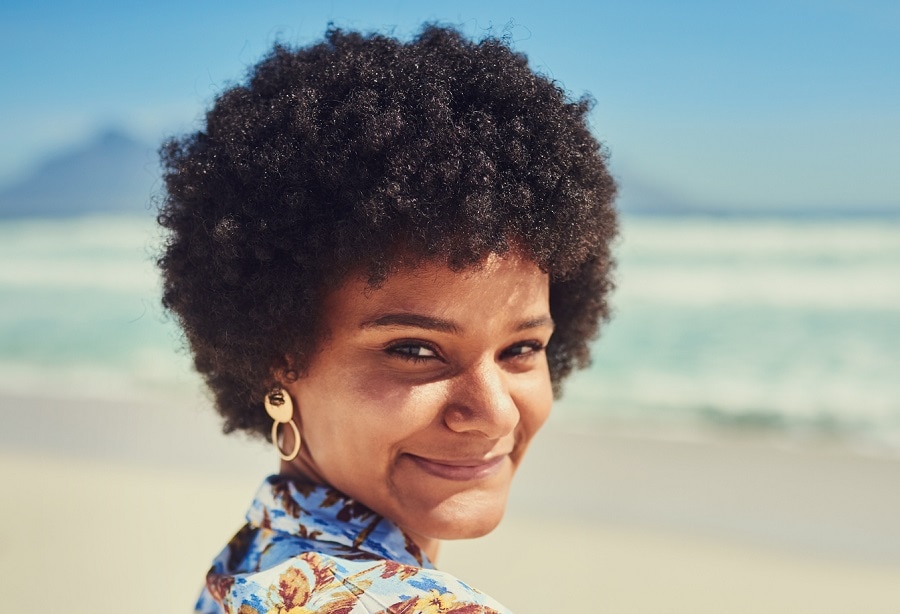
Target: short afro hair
(351, 154)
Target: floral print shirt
(308, 548)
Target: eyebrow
(415, 320)
(537, 322)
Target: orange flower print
(392, 568)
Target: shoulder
(316, 582)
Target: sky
(788, 104)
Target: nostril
(482, 403)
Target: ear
(284, 371)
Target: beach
(121, 506)
(735, 446)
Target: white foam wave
(818, 265)
(849, 287)
(766, 238)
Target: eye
(523, 350)
(413, 351)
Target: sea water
(781, 326)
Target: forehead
(499, 285)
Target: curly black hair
(349, 156)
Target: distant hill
(112, 174)
(640, 197)
(115, 173)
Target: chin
(463, 517)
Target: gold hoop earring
(281, 409)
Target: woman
(385, 257)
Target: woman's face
(424, 395)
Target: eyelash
(397, 350)
(536, 347)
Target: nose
(480, 401)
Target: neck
(429, 546)
(302, 469)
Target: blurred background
(735, 445)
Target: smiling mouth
(460, 470)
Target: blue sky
(765, 104)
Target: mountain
(115, 173)
(638, 196)
(111, 174)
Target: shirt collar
(320, 513)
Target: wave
(775, 326)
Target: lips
(460, 469)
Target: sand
(106, 510)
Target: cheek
(370, 415)
(536, 402)
(377, 391)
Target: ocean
(784, 328)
